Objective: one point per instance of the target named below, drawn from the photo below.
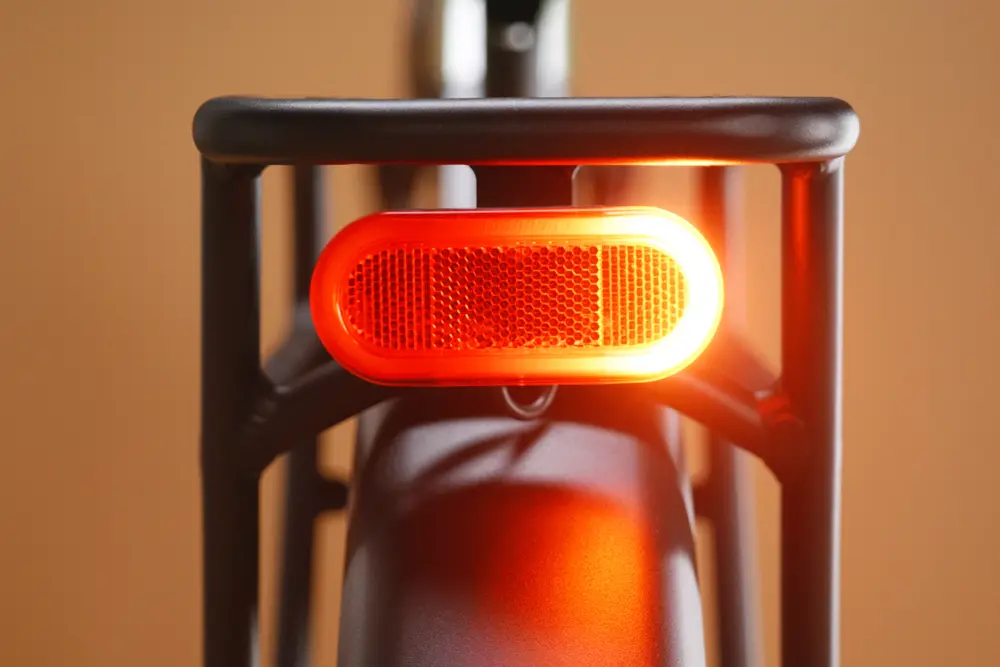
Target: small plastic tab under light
(517, 296)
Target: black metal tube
(320, 399)
(510, 63)
(309, 234)
(524, 131)
(730, 497)
(811, 359)
(230, 372)
(707, 403)
(511, 39)
(231, 569)
(302, 480)
(304, 486)
(729, 493)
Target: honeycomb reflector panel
(547, 296)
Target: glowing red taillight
(541, 296)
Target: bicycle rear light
(517, 296)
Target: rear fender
(477, 539)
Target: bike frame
(253, 412)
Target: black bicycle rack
(252, 412)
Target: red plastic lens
(547, 296)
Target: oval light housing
(517, 296)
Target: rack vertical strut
(811, 330)
(727, 499)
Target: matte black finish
(249, 416)
(811, 331)
(509, 69)
(479, 539)
(731, 412)
(524, 131)
(727, 499)
(306, 492)
(229, 380)
(314, 402)
(524, 186)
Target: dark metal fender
(477, 539)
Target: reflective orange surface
(571, 579)
(517, 296)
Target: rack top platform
(572, 131)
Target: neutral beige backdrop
(99, 270)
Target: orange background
(99, 555)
